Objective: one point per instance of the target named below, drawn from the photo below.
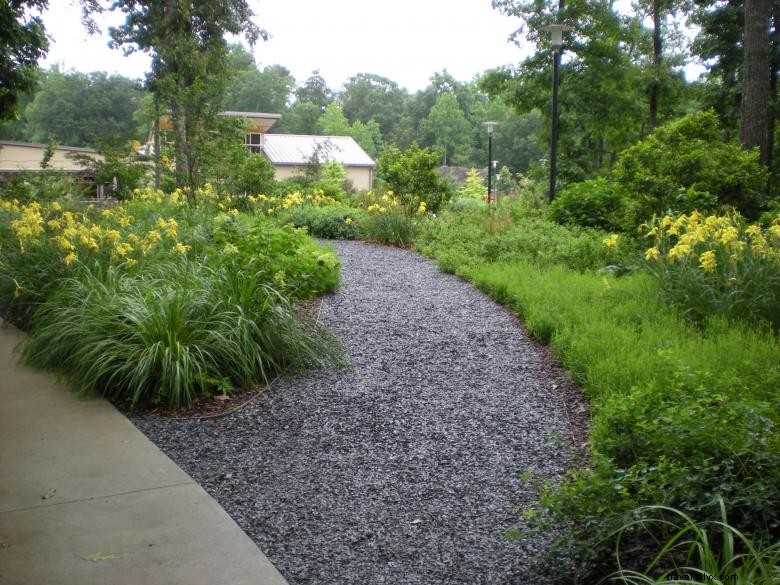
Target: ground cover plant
(156, 301)
(682, 411)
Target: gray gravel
(404, 468)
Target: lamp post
(556, 34)
(490, 128)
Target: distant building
(290, 154)
(26, 157)
(16, 157)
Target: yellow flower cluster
(75, 236)
(385, 203)
(611, 241)
(273, 204)
(711, 242)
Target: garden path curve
(406, 467)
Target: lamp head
(490, 127)
(556, 34)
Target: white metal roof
(294, 149)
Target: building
(290, 154)
(26, 157)
(16, 157)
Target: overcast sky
(404, 40)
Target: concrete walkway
(86, 499)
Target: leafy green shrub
(717, 266)
(490, 235)
(285, 256)
(333, 222)
(595, 203)
(685, 166)
(413, 174)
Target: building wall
(28, 157)
(362, 177)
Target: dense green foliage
(22, 44)
(686, 166)
(595, 203)
(157, 302)
(412, 174)
(78, 109)
(679, 414)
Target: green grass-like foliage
(709, 551)
(168, 334)
(511, 232)
(679, 414)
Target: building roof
(38, 145)
(263, 115)
(294, 149)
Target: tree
(754, 124)
(252, 90)
(80, 109)
(190, 58)
(719, 45)
(22, 44)
(367, 97)
(603, 89)
(448, 126)
(315, 91)
(333, 122)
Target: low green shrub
(336, 222)
(285, 256)
(513, 232)
(596, 203)
(685, 166)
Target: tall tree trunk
(754, 125)
(655, 84)
(774, 63)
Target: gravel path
(404, 468)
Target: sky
(406, 41)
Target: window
(254, 142)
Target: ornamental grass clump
(685, 549)
(717, 265)
(173, 332)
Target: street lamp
(556, 40)
(490, 127)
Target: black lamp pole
(554, 130)
(490, 165)
(490, 126)
(556, 32)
